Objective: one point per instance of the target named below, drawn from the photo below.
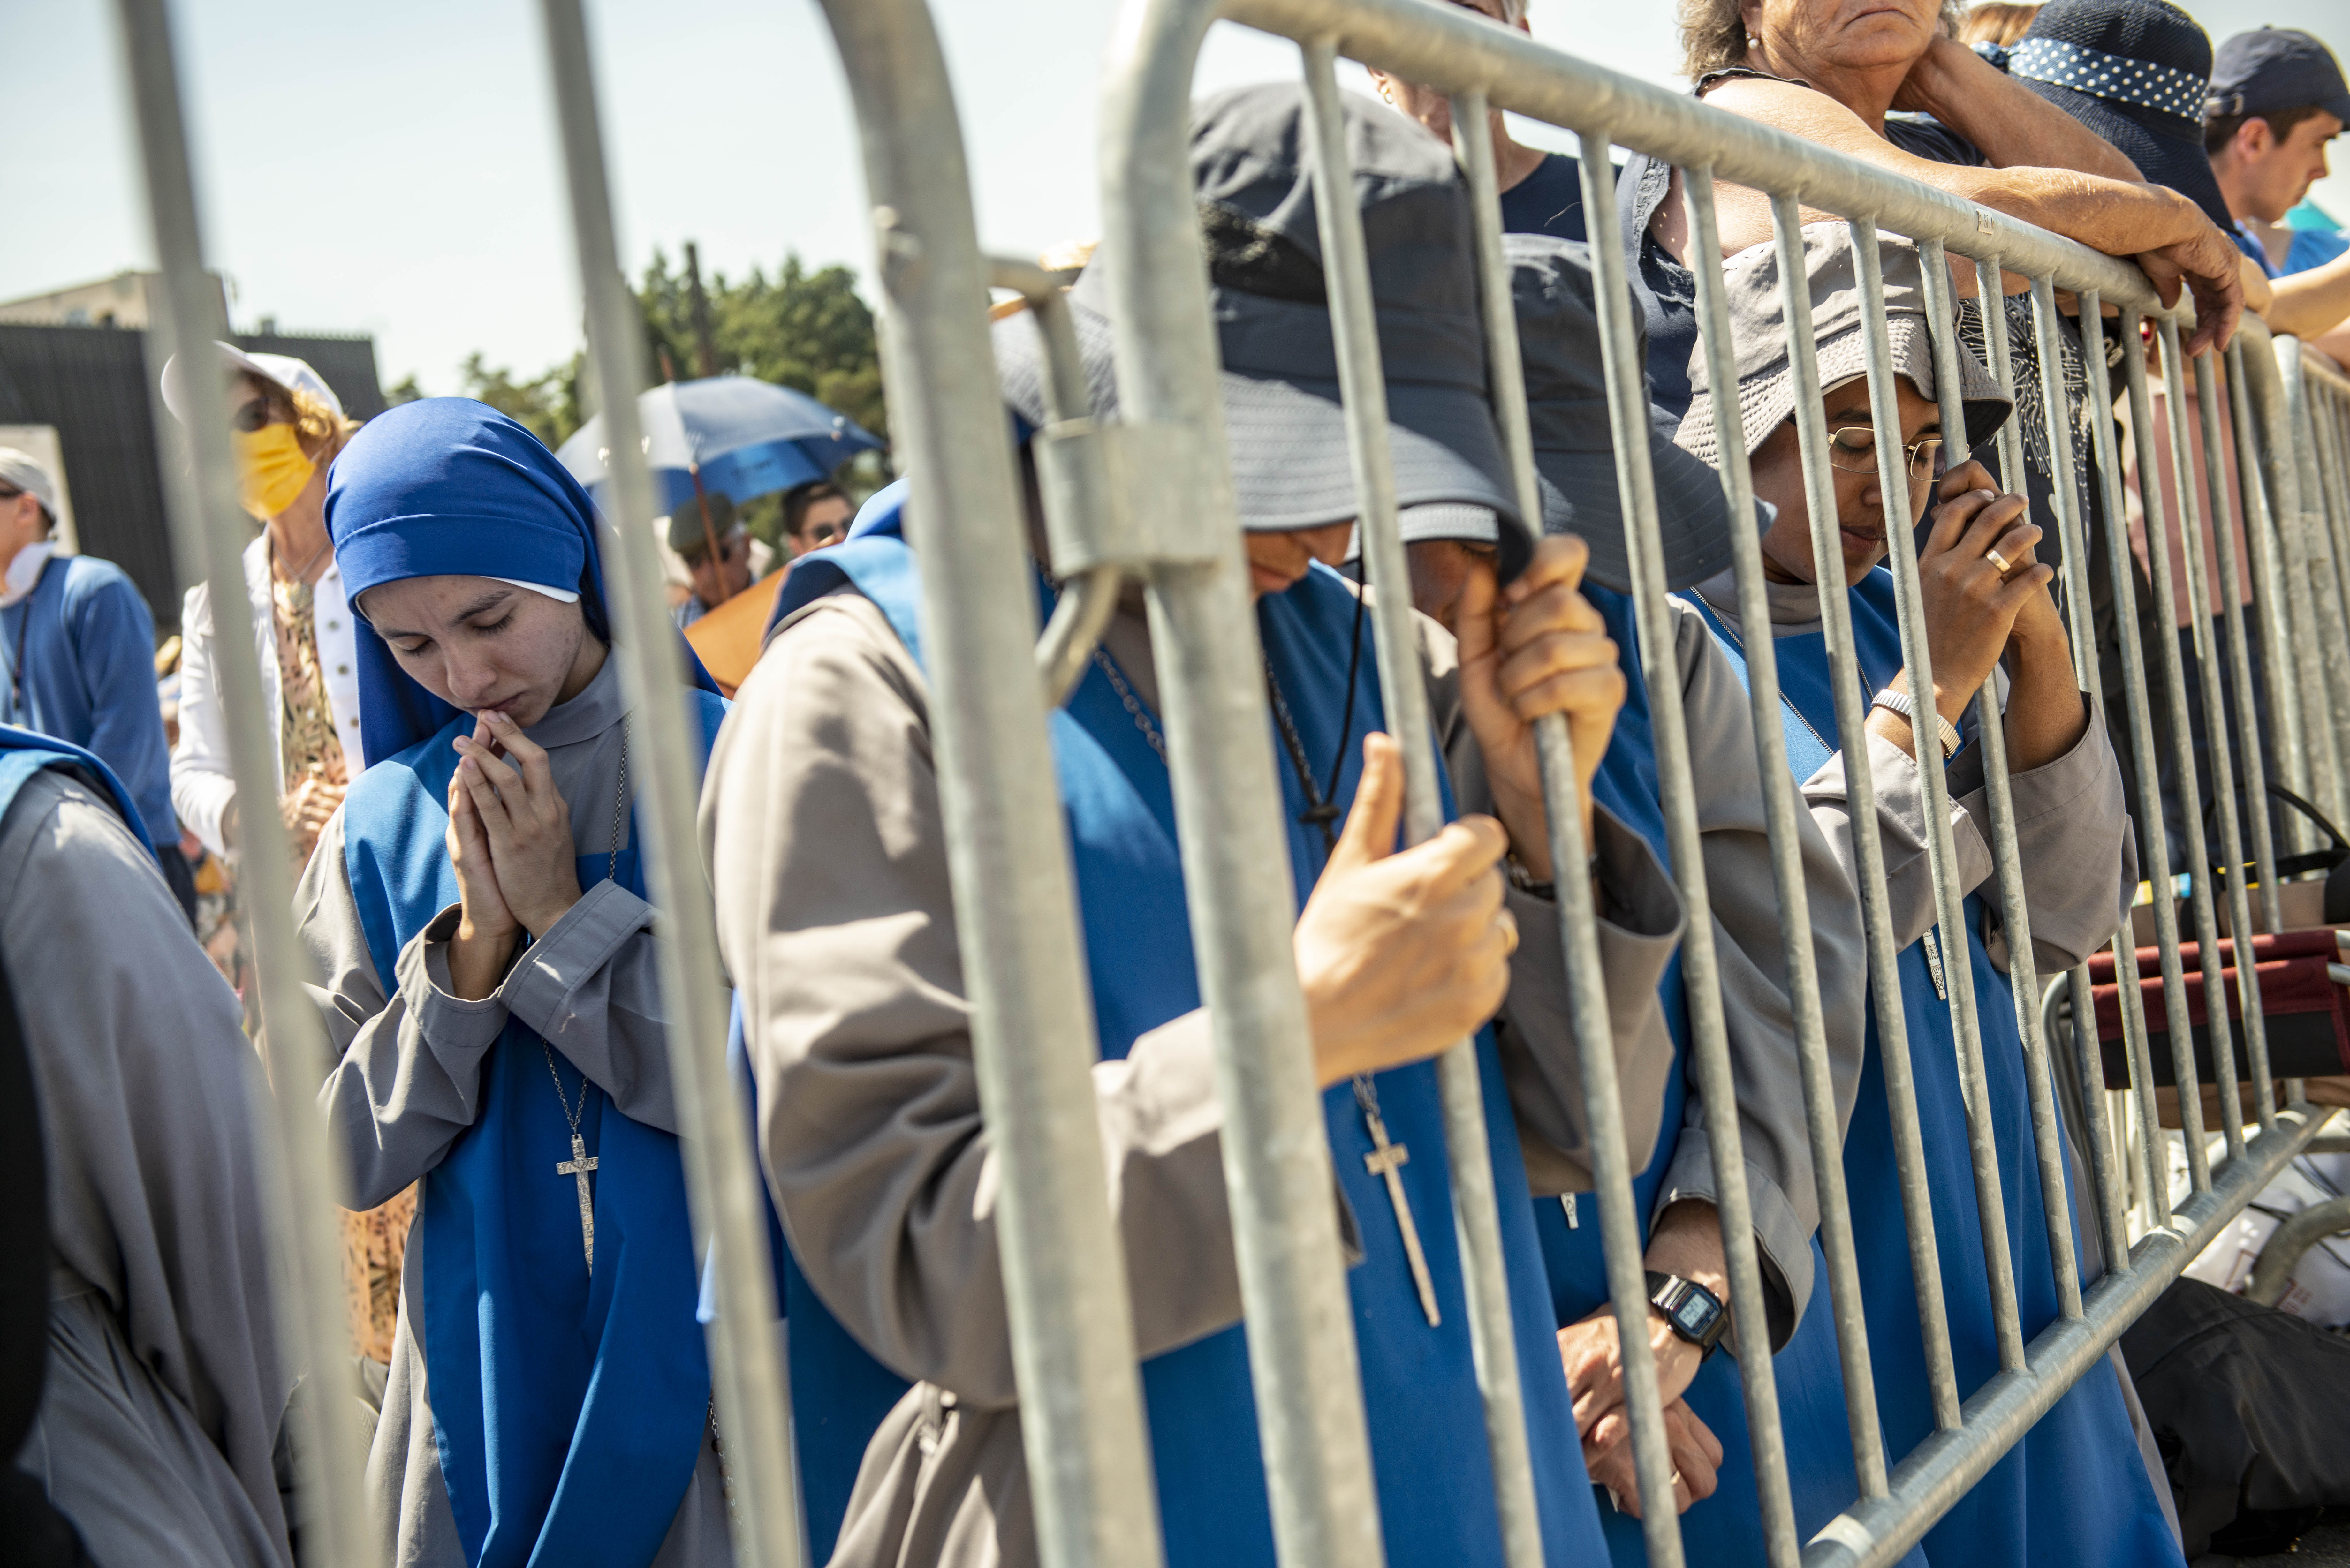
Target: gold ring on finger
(1509, 924)
(1999, 561)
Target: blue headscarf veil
(569, 1407)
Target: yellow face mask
(271, 468)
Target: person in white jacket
(287, 425)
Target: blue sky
(392, 168)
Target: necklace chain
(611, 874)
(1367, 1094)
(1134, 708)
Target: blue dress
(1425, 1416)
(1726, 1528)
(2073, 1492)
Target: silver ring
(1998, 560)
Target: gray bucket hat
(1575, 450)
(1758, 327)
(1291, 467)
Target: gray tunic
(1750, 953)
(160, 1419)
(2073, 836)
(406, 1084)
(821, 821)
(2071, 820)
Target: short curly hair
(321, 431)
(1713, 33)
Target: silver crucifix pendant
(1386, 1159)
(578, 1167)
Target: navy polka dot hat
(2135, 72)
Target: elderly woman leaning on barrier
(2075, 1489)
(1843, 76)
(1558, 333)
(477, 908)
(822, 824)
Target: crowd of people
(427, 593)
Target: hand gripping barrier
(1166, 369)
(2286, 408)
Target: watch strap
(1901, 703)
(1693, 1312)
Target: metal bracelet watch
(1690, 1309)
(1899, 702)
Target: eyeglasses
(1853, 449)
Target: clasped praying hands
(510, 841)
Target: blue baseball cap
(2273, 68)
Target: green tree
(803, 329)
(548, 405)
(407, 392)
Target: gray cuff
(1782, 1241)
(1162, 1098)
(1637, 902)
(540, 987)
(447, 1021)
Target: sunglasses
(1853, 449)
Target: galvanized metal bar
(1941, 854)
(1451, 50)
(1876, 1534)
(1991, 724)
(1235, 850)
(2023, 970)
(2278, 395)
(2332, 452)
(2189, 519)
(2074, 563)
(1073, 477)
(2262, 414)
(1626, 371)
(2248, 743)
(749, 1382)
(2298, 365)
(2267, 601)
(1877, 919)
(1781, 807)
(2282, 1252)
(1354, 324)
(1990, 304)
(1034, 1041)
(296, 1165)
(2182, 761)
(2105, 450)
(1473, 148)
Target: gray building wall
(92, 383)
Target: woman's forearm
(2011, 125)
(2046, 713)
(2114, 216)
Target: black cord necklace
(1321, 800)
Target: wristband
(1894, 702)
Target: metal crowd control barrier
(1167, 366)
(209, 531)
(2288, 410)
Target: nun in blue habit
(478, 910)
(1675, 1196)
(2081, 1488)
(822, 819)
